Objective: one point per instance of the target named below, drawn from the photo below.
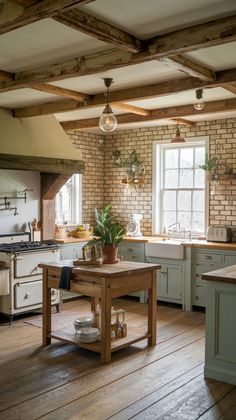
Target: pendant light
(199, 104)
(178, 138)
(107, 121)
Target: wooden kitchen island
(102, 283)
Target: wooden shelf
(68, 335)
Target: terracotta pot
(110, 254)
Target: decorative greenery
(132, 165)
(107, 229)
(210, 164)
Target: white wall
(11, 182)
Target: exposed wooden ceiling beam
(130, 108)
(55, 90)
(190, 39)
(24, 16)
(5, 75)
(156, 114)
(231, 87)
(95, 27)
(183, 121)
(124, 95)
(189, 67)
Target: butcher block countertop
(223, 275)
(153, 239)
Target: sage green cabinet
(129, 251)
(170, 280)
(204, 261)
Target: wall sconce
(199, 104)
(178, 138)
(107, 121)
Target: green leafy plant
(210, 164)
(107, 230)
(131, 164)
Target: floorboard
(65, 382)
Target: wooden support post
(106, 322)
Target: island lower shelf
(69, 336)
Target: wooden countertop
(105, 270)
(155, 239)
(223, 275)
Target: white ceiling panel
(125, 77)
(44, 42)
(84, 114)
(148, 18)
(25, 97)
(220, 57)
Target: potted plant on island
(109, 233)
(210, 166)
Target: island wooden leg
(46, 309)
(106, 323)
(152, 311)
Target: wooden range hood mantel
(54, 172)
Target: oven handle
(18, 258)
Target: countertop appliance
(219, 234)
(21, 258)
(133, 227)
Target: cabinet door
(71, 251)
(229, 259)
(200, 293)
(169, 283)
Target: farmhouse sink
(166, 249)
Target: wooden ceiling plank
(6, 76)
(156, 114)
(56, 90)
(130, 108)
(24, 16)
(130, 94)
(183, 121)
(97, 28)
(221, 31)
(231, 87)
(189, 67)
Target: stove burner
(26, 246)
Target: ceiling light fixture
(178, 138)
(107, 121)
(199, 104)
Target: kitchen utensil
(34, 224)
(30, 231)
(39, 225)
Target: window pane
(171, 158)
(199, 156)
(171, 179)
(198, 201)
(198, 222)
(199, 178)
(184, 218)
(186, 157)
(169, 200)
(186, 178)
(169, 218)
(184, 200)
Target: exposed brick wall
(93, 154)
(222, 141)
(102, 180)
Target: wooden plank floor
(64, 382)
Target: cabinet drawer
(133, 249)
(210, 257)
(204, 268)
(229, 260)
(136, 258)
(30, 294)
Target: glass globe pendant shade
(108, 121)
(199, 104)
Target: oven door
(26, 263)
(30, 294)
